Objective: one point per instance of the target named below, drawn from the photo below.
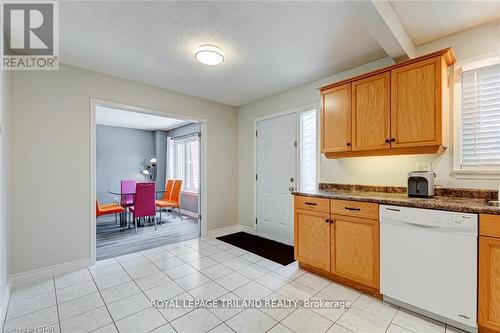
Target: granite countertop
(460, 200)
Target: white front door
(276, 177)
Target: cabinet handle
(350, 208)
(311, 203)
(387, 140)
(393, 139)
(332, 221)
(327, 221)
(348, 144)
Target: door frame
(202, 201)
(297, 112)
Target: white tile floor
(114, 295)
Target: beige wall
(4, 188)
(366, 170)
(294, 98)
(50, 159)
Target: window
(186, 165)
(308, 150)
(479, 119)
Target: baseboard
(4, 302)
(248, 230)
(43, 273)
(189, 213)
(229, 230)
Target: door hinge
(255, 220)
(199, 217)
(256, 177)
(295, 144)
(256, 134)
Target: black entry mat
(269, 249)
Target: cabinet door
(489, 283)
(336, 119)
(312, 238)
(371, 113)
(416, 102)
(355, 249)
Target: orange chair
(108, 209)
(166, 195)
(175, 198)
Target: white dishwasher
(428, 263)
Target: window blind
(187, 163)
(308, 150)
(480, 118)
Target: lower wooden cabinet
(342, 246)
(312, 238)
(355, 249)
(489, 273)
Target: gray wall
(188, 202)
(121, 154)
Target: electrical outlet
(423, 166)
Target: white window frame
(299, 141)
(460, 67)
(194, 138)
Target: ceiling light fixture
(209, 55)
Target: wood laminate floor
(112, 240)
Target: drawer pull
(351, 208)
(311, 203)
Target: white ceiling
(269, 46)
(120, 118)
(426, 21)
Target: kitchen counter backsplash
(439, 191)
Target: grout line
(144, 293)
(105, 305)
(4, 322)
(57, 304)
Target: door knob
(291, 188)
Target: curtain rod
(185, 135)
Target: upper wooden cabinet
(416, 98)
(371, 113)
(394, 110)
(336, 119)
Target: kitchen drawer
(311, 203)
(366, 210)
(489, 225)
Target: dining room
(147, 181)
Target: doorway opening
(147, 172)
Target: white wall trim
(4, 303)
(230, 230)
(47, 272)
(491, 58)
(189, 213)
(203, 172)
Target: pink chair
(127, 200)
(144, 203)
(127, 186)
